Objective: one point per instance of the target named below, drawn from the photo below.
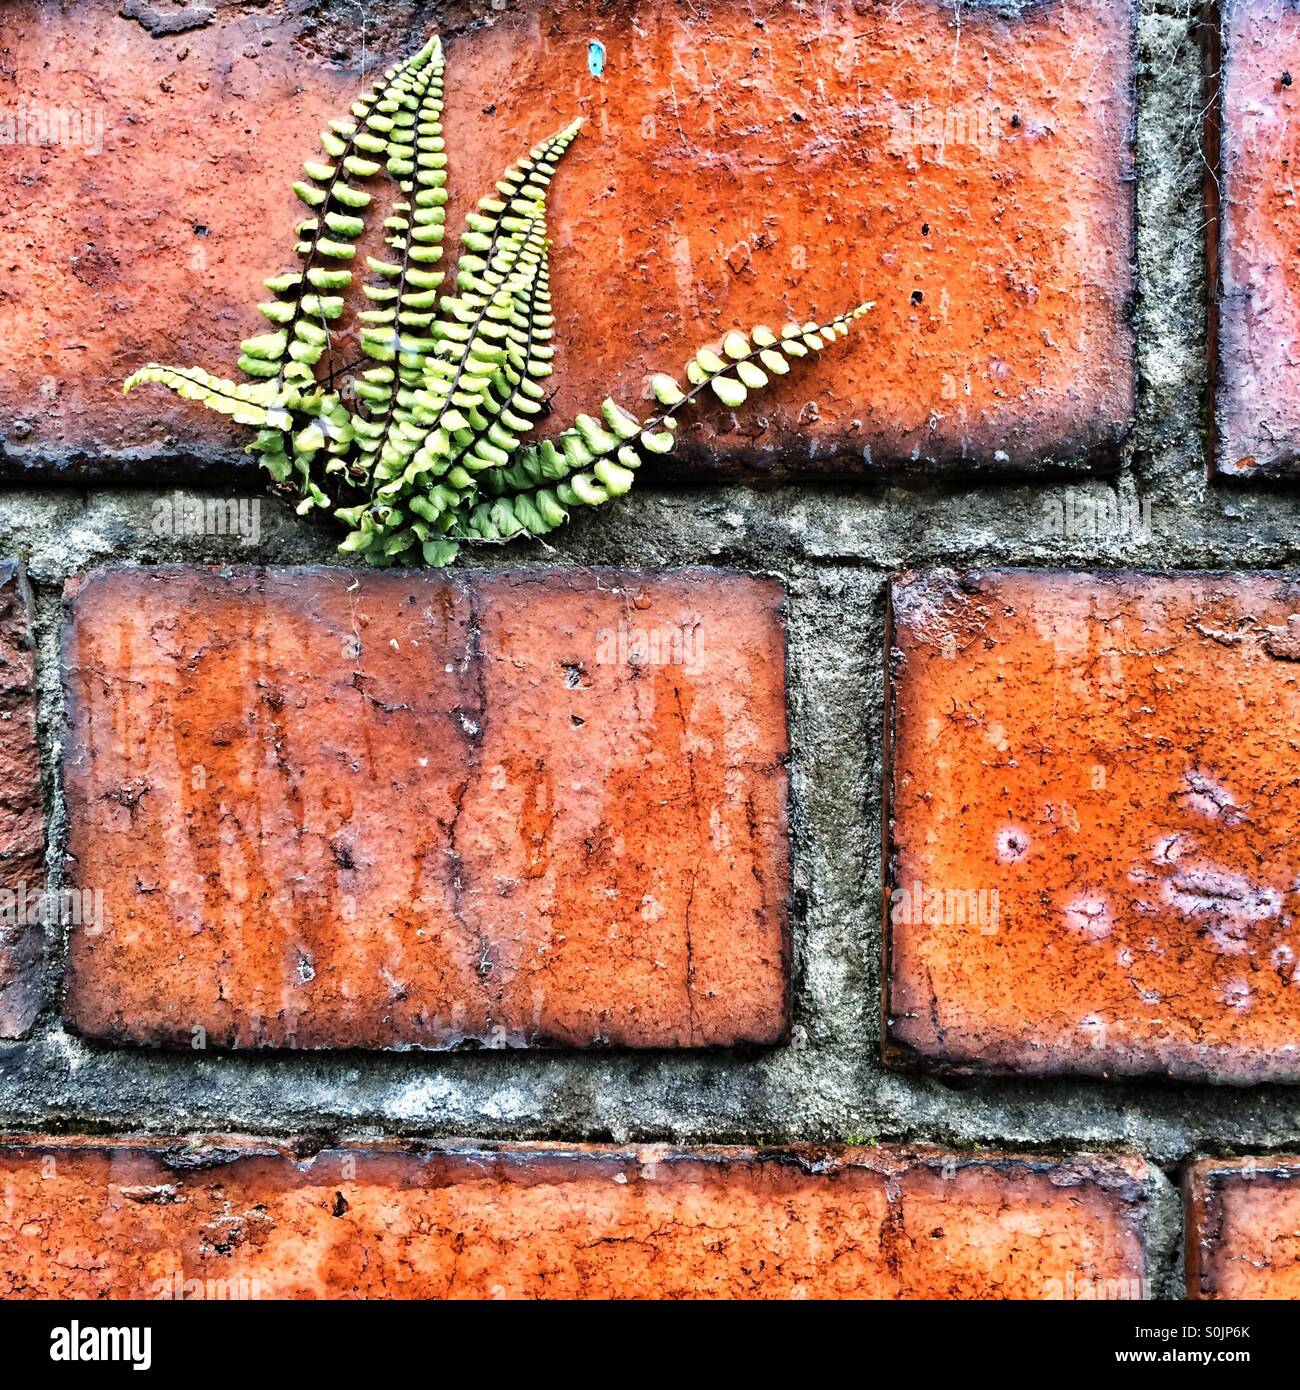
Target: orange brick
(1092, 823)
(971, 176)
(405, 810)
(555, 1221)
(1256, 363)
(1243, 1229)
(22, 819)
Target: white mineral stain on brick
(1210, 890)
(1224, 903)
(1090, 917)
(1206, 797)
(1237, 995)
(1012, 844)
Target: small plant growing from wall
(434, 450)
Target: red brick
(1256, 358)
(1114, 755)
(22, 817)
(564, 1222)
(729, 172)
(404, 810)
(1243, 1229)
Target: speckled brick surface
(1093, 812)
(1243, 1228)
(1257, 365)
(241, 1220)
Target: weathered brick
(408, 810)
(1113, 756)
(1256, 357)
(235, 1218)
(1243, 1228)
(22, 819)
(145, 233)
(968, 170)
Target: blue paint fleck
(596, 58)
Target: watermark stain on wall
(921, 126)
(64, 907)
(42, 126)
(666, 645)
(1075, 515)
(181, 514)
(927, 905)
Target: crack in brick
(692, 873)
(473, 726)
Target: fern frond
(503, 257)
(247, 403)
(596, 460)
(402, 293)
(497, 389)
(445, 406)
(488, 337)
(746, 363)
(309, 299)
(518, 190)
(501, 392)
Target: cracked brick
(337, 810)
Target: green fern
(431, 452)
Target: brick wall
(862, 862)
